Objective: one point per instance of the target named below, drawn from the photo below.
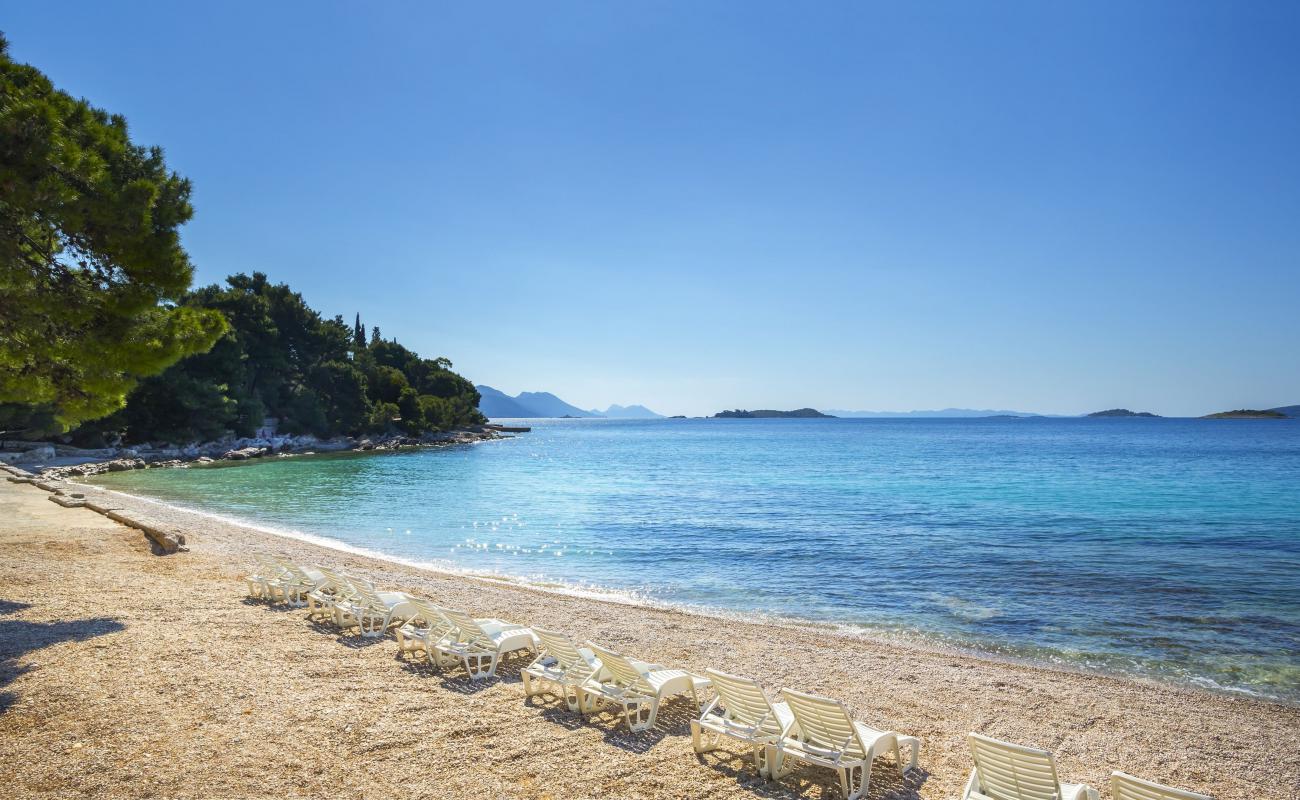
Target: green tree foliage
(282, 359)
(359, 334)
(91, 264)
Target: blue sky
(695, 206)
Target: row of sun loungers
(799, 728)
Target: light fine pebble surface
(125, 674)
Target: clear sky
(1038, 206)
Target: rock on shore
(63, 461)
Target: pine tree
(91, 263)
(375, 338)
(359, 334)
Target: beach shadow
(892, 786)
(18, 638)
(10, 606)
(327, 628)
(356, 641)
(277, 608)
(557, 713)
(417, 665)
(740, 767)
(460, 683)
(674, 719)
(812, 781)
(262, 602)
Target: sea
(1166, 549)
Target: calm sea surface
(1163, 548)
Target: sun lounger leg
(633, 710)
(699, 741)
(913, 745)
(776, 767)
(574, 701)
(846, 781)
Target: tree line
(282, 359)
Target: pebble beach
(127, 674)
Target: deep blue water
(1165, 548)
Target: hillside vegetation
(281, 359)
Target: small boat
(508, 428)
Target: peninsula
(1247, 413)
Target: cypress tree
(359, 334)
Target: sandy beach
(125, 674)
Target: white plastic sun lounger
(335, 588)
(423, 629)
(371, 612)
(560, 668)
(265, 569)
(825, 734)
(1005, 771)
(479, 645)
(638, 687)
(294, 585)
(1126, 787)
(740, 711)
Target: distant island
(800, 413)
(1122, 412)
(1248, 413)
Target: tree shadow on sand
(19, 637)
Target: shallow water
(1162, 548)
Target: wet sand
(125, 674)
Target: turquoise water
(1162, 548)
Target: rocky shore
(58, 461)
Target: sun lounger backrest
(268, 566)
(364, 594)
(1013, 772)
(744, 702)
(1126, 787)
(298, 573)
(622, 670)
(559, 647)
(823, 723)
(467, 627)
(336, 582)
(432, 616)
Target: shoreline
(186, 645)
(64, 462)
(923, 641)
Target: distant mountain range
(627, 412)
(496, 404)
(946, 412)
